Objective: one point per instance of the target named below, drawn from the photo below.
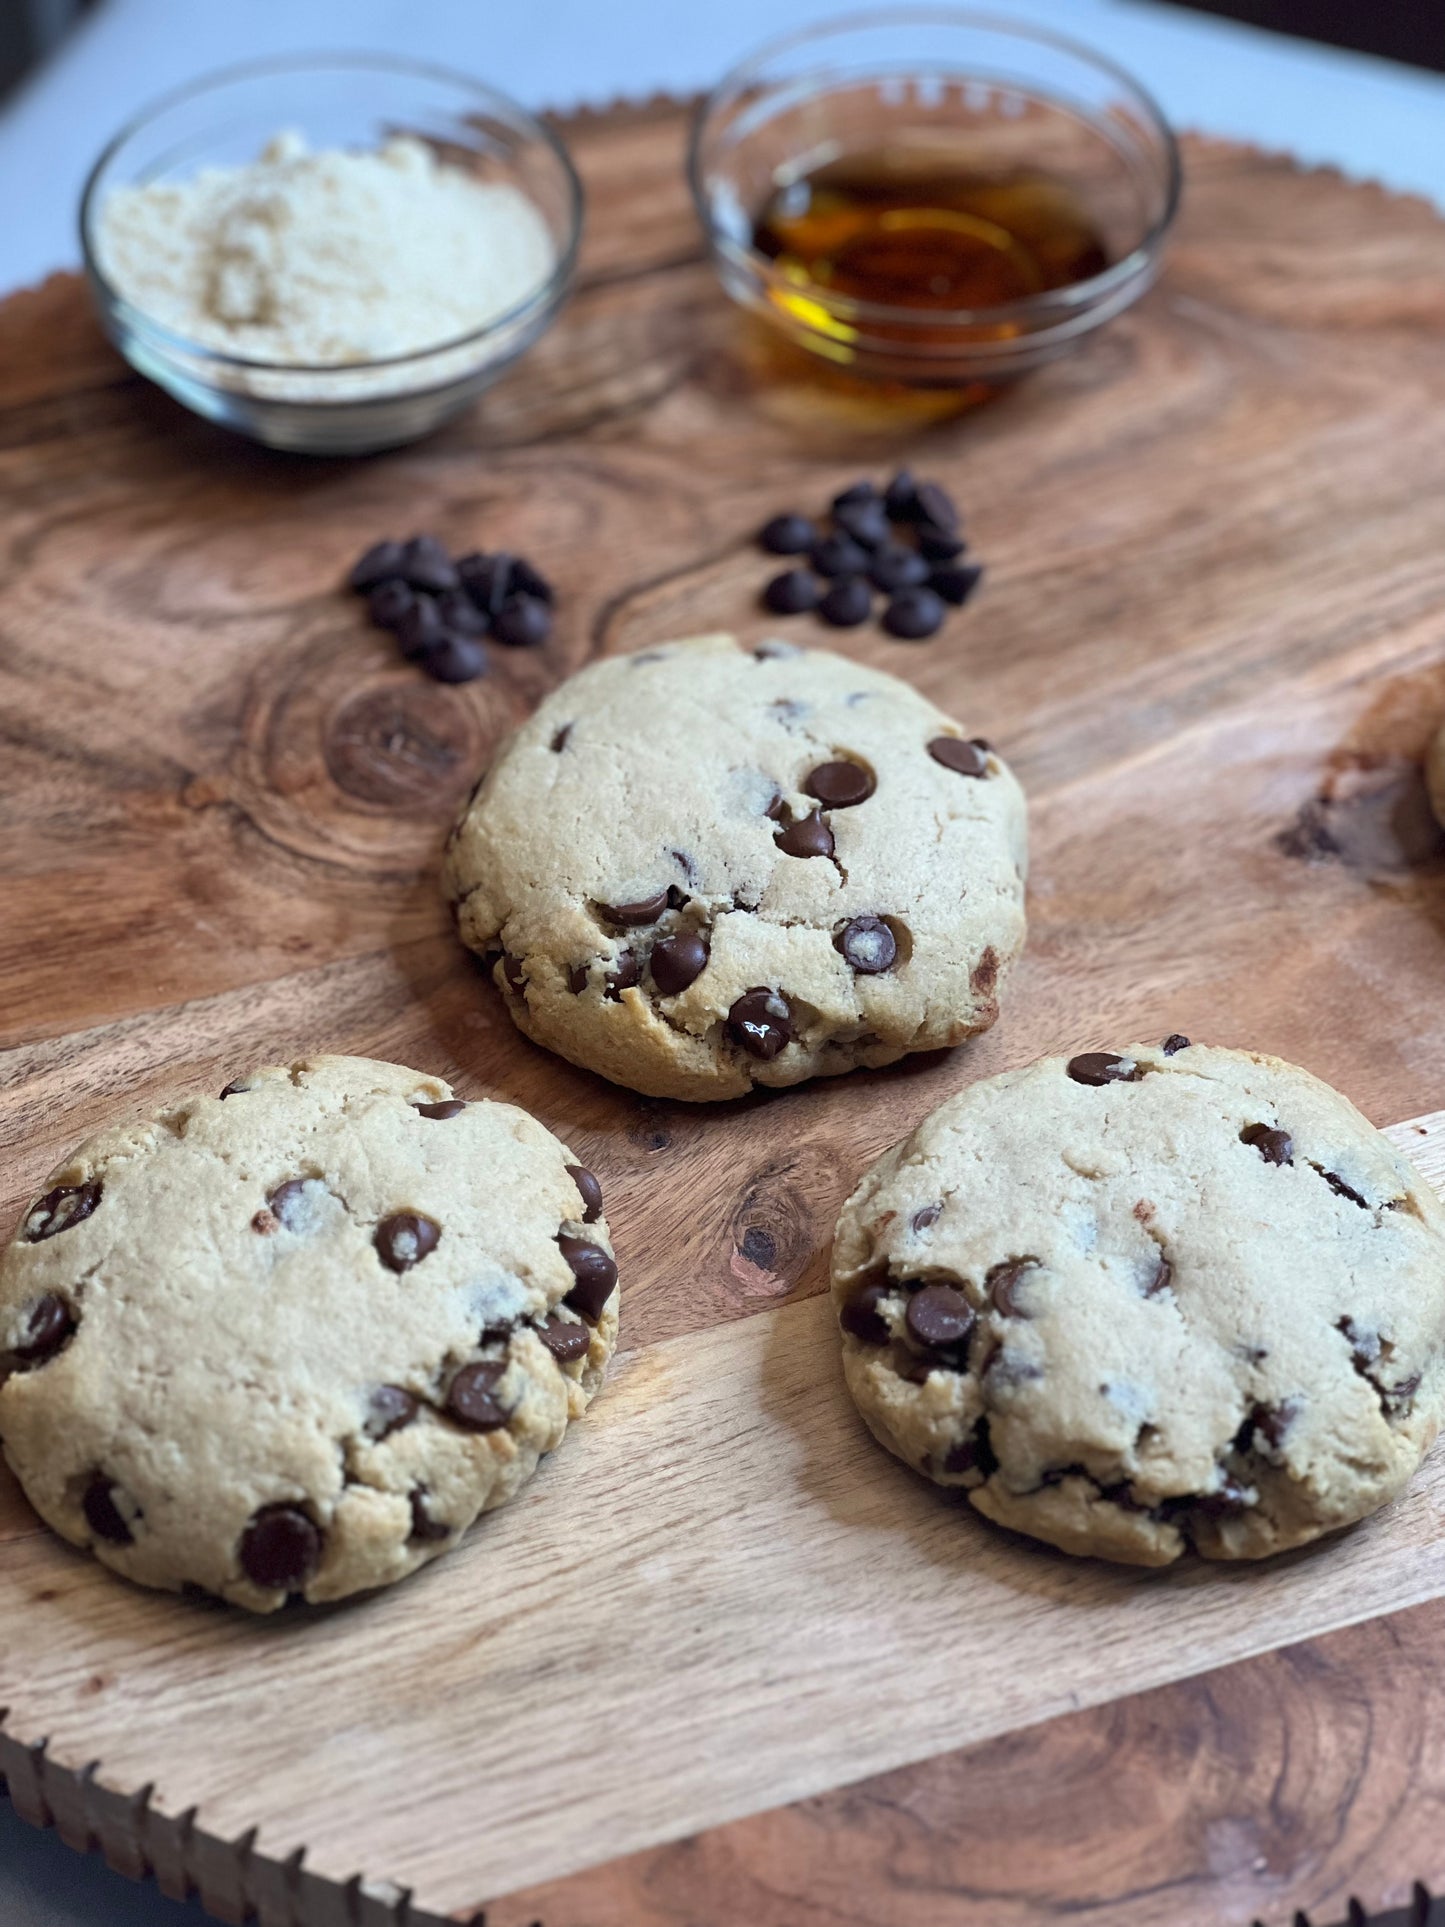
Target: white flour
(325, 258)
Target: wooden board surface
(1210, 642)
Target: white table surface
(1370, 118)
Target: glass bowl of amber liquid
(933, 197)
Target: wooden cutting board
(726, 1661)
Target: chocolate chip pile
(439, 608)
(866, 550)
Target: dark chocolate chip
(564, 1339)
(838, 555)
(48, 1328)
(625, 972)
(1162, 1279)
(791, 593)
(868, 945)
(419, 628)
(281, 1548)
(1273, 1421)
(487, 579)
(1343, 1190)
(1173, 1044)
(809, 836)
(895, 567)
(642, 910)
(861, 1316)
(513, 973)
(1274, 1146)
(454, 659)
(425, 564)
(939, 545)
(855, 495)
(577, 976)
(936, 507)
(787, 535)
(524, 622)
(761, 1022)
(471, 1396)
(390, 603)
(963, 758)
(678, 961)
(425, 1530)
(847, 603)
(405, 1238)
(234, 1088)
(447, 1107)
(389, 1409)
(61, 1209)
(1004, 1282)
(974, 1454)
(590, 1189)
(559, 741)
(838, 786)
(285, 1202)
(940, 1317)
(901, 496)
(381, 561)
(1227, 1501)
(456, 611)
(865, 521)
(103, 1515)
(956, 582)
(930, 1214)
(531, 581)
(1103, 1067)
(913, 614)
(595, 1272)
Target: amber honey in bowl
(911, 230)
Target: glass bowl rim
(1077, 295)
(536, 301)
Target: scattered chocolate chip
(895, 567)
(865, 521)
(643, 910)
(1274, 1146)
(425, 1530)
(389, 1409)
(61, 1209)
(678, 961)
(838, 555)
(788, 535)
(390, 603)
(280, 1549)
(514, 974)
(761, 1023)
(447, 1107)
(913, 614)
(956, 582)
(454, 659)
(1162, 1279)
(625, 972)
(861, 1316)
(263, 1223)
(868, 945)
(938, 545)
(381, 561)
(405, 1238)
(577, 975)
(559, 741)
(1172, 1045)
(471, 1396)
(935, 507)
(419, 628)
(425, 564)
(487, 579)
(564, 1340)
(590, 1190)
(457, 611)
(775, 807)
(595, 1272)
(103, 1515)
(1227, 1501)
(900, 498)
(285, 1202)
(854, 496)
(791, 593)
(930, 1214)
(1004, 1281)
(531, 581)
(1103, 1067)
(838, 786)
(975, 1454)
(964, 758)
(940, 1317)
(847, 603)
(525, 622)
(809, 836)
(1343, 1190)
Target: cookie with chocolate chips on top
(290, 1341)
(1133, 1302)
(706, 867)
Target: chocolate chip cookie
(293, 1339)
(1140, 1301)
(705, 867)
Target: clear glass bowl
(339, 100)
(989, 95)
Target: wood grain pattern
(1210, 643)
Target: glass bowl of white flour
(330, 255)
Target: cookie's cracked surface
(704, 867)
(294, 1339)
(1136, 1301)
